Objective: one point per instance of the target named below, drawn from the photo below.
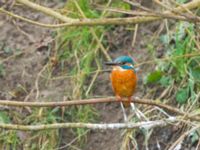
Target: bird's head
(124, 62)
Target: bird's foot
(129, 99)
(118, 98)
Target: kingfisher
(123, 78)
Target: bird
(123, 78)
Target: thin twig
(188, 55)
(181, 138)
(169, 58)
(100, 45)
(134, 35)
(146, 13)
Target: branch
(95, 101)
(45, 25)
(102, 126)
(26, 19)
(106, 21)
(46, 10)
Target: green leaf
(165, 81)
(181, 31)
(153, 77)
(8, 50)
(121, 5)
(195, 72)
(181, 1)
(165, 39)
(182, 95)
(194, 136)
(192, 91)
(4, 118)
(2, 71)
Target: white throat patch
(119, 68)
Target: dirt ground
(29, 45)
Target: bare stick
(103, 126)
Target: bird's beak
(111, 63)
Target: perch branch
(102, 126)
(95, 101)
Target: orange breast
(123, 82)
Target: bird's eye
(123, 63)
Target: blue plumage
(124, 59)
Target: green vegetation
(181, 73)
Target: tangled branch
(105, 21)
